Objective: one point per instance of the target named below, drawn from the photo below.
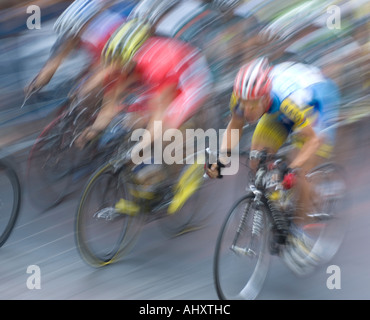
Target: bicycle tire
(232, 283)
(48, 167)
(7, 173)
(127, 230)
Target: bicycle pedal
(108, 214)
(243, 251)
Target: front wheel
(241, 259)
(102, 233)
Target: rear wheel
(241, 259)
(329, 221)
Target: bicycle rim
(238, 275)
(10, 197)
(102, 240)
(327, 233)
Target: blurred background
(161, 268)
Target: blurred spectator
(13, 14)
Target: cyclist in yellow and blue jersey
(299, 96)
(286, 99)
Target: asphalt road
(176, 268)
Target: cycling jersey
(99, 29)
(162, 62)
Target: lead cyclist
(288, 99)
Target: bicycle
(259, 224)
(53, 157)
(10, 199)
(55, 163)
(104, 234)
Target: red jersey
(162, 61)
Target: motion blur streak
(332, 35)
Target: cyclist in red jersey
(174, 71)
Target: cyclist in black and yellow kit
(286, 99)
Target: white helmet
(253, 80)
(71, 21)
(151, 10)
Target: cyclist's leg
(327, 96)
(304, 191)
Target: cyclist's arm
(231, 139)
(311, 145)
(52, 65)
(301, 124)
(229, 142)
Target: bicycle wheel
(102, 234)
(49, 166)
(241, 259)
(329, 222)
(10, 199)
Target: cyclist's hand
(41, 80)
(213, 171)
(32, 87)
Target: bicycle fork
(256, 226)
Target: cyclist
(85, 24)
(167, 18)
(288, 99)
(176, 74)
